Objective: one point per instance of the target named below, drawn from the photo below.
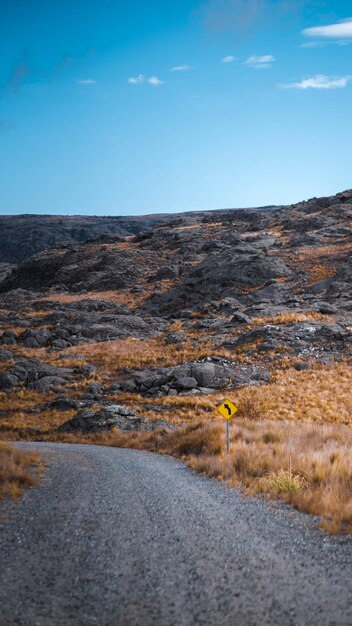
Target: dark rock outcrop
(109, 417)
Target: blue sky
(127, 107)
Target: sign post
(227, 409)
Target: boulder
(185, 383)
(7, 381)
(63, 404)
(240, 318)
(9, 338)
(109, 417)
(35, 338)
(6, 355)
(46, 383)
(302, 366)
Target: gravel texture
(124, 538)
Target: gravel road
(123, 538)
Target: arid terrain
(129, 331)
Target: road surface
(124, 538)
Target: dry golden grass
(44, 421)
(23, 400)
(118, 297)
(291, 439)
(37, 314)
(113, 356)
(306, 465)
(322, 395)
(320, 262)
(16, 470)
(291, 318)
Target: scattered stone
(109, 417)
(302, 366)
(6, 355)
(187, 382)
(46, 383)
(240, 318)
(63, 404)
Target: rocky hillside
(132, 338)
(185, 305)
(21, 236)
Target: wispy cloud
(87, 81)
(229, 59)
(260, 62)
(155, 81)
(19, 72)
(320, 81)
(312, 44)
(340, 30)
(138, 80)
(24, 71)
(180, 68)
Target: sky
(125, 107)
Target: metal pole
(227, 436)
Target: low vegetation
(308, 466)
(266, 296)
(18, 470)
(291, 439)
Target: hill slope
(128, 337)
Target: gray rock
(302, 366)
(63, 404)
(107, 418)
(325, 308)
(165, 273)
(32, 338)
(187, 382)
(7, 381)
(96, 389)
(9, 338)
(60, 344)
(129, 386)
(46, 383)
(204, 373)
(114, 388)
(240, 318)
(87, 370)
(6, 355)
(174, 338)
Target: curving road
(124, 538)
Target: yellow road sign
(227, 409)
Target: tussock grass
(322, 395)
(16, 470)
(114, 356)
(118, 297)
(308, 466)
(291, 318)
(44, 421)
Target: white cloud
(341, 30)
(136, 80)
(260, 62)
(228, 59)
(180, 68)
(155, 81)
(312, 44)
(320, 81)
(87, 81)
